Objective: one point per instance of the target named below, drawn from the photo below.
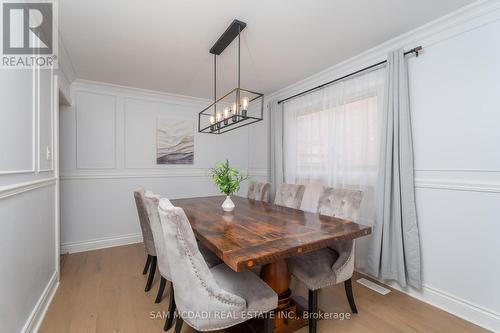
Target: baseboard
(100, 243)
(42, 305)
(452, 304)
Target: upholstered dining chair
(149, 242)
(151, 201)
(220, 296)
(289, 195)
(147, 237)
(258, 191)
(334, 264)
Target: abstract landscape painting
(174, 141)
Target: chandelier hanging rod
(232, 113)
(227, 37)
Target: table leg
(277, 276)
(288, 314)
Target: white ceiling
(163, 45)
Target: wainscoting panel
(17, 145)
(455, 100)
(95, 131)
(45, 130)
(104, 208)
(140, 120)
(458, 232)
(28, 252)
(98, 208)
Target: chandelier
(237, 108)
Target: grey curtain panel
(276, 170)
(395, 252)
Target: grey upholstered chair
(334, 264)
(289, 195)
(258, 191)
(151, 201)
(147, 237)
(221, 297)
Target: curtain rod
(415, 50)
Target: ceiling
(163, 45)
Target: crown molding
(455, 23)
(80, 84)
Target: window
(331, 138)
(318, 146)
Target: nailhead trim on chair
(345, 263)
(197, 273)
(210, 293)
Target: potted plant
(228, 180)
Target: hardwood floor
(103, 291)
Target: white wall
(455, 118)
(108, 148)
(28, 197)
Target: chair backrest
(313, 191)
(289, 195)
(258, 191)
(340, 202)
(152, 201)
(147, 234)
(196, 290)
(343, 203)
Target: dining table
(258, 234)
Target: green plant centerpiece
(228, 180)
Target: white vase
(228, 204)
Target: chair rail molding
(145, 174)
(161, 173)
(10, 190)
(457, 185)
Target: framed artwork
(174, 141)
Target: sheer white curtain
(332, 138)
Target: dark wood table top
(258, 233)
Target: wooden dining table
(257, 233)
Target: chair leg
(171, 310)
(159, 296)
(350, 296)
(178, 325)
(313, 309)
(148, 261)
(152, 270)
(269, 323)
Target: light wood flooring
(103, 291)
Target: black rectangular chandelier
(237, 108)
